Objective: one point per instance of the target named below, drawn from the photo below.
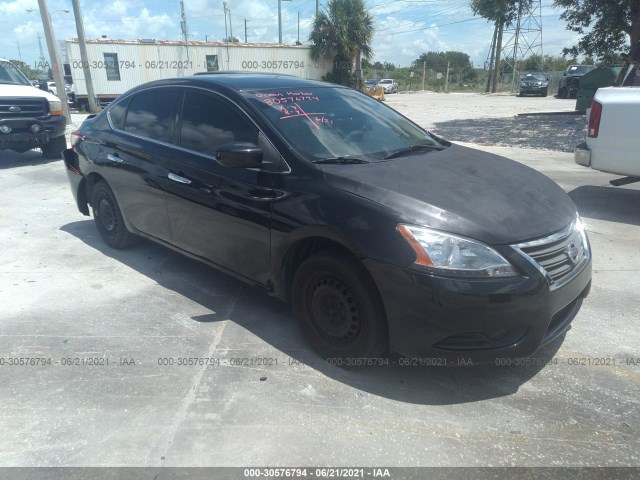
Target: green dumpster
(592, 81)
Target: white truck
(29, 117)
(612, 143)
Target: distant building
(118, 65)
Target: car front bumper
(448, 320)
(21, 135)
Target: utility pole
(19, 52)
(53, 55)
(446, 81)
(424, 73)
(84, 58)
(226, 34)
(493, 52)
(245, 30)
(183, 27)
(317, 6)
(280, 22)
(43, 59)
(298, 42)
(496, 68)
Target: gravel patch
(541, 132)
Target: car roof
(240, 81)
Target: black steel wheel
(338, 308)
(109, 221)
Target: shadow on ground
(11, 159)
(613, 204)
(542, 132)
(273, 322)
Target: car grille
(560, 257)
(29, 107)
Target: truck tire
(54, 148)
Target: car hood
(8, 90)
(463, 191)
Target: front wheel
(338, 308)
(108, 218)
(563, 92)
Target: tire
(545, 93)
(338, 308)
(109, 221)
(563, 92)
(54, 148)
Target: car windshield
(535, 76)
(11, 75)
(329, 122)
(580, 69)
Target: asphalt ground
(257, 395)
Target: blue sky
(404, 28)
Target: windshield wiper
(340, 161)
(413, 148)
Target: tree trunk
(358, 71)
(496, 70)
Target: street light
(280, 20)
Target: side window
(152, 114)
(111, 64)
(208, 122)
(117, 113)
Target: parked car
(29, 117)
(611, 144)
(370, 83)
(71, 96)
(389, 85)
(534, 84)
(570, 80)
(381, 235)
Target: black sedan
(381, 235)
(534, 84)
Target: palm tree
(343, 33)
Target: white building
(118, 65)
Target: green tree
(606, 28)
(343, 33)
(231, 39)
(457, 61)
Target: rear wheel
(54, 148)
(563, 92)
(338, 308)
(109, 221)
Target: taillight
(75, 138)
(594, 119)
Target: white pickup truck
(612, 143)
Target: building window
(111, 64)
(212, 63)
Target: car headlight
(55, 107)
(580, 227)
(450, 254)
(523, 84)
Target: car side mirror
(239, 155)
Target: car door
(133, 157)
(219, 213)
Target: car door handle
(114, 158)
(178, 178)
